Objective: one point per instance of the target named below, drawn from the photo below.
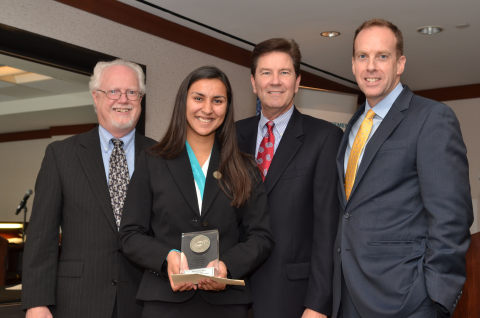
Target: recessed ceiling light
(462, 26)
(330, 34)
(429, 30)
(11, 226)
(8, 70)
(17, 76)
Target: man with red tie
(296, 156)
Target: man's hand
(208, 284)
(39, 312)
(173, 262)
(309, 313)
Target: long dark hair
(235, 167)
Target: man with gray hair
(80, 189)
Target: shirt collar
(280, 122)
(106, 136)
(382, 108)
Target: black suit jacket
(404, 232)
(85, 276)
(162, 204)
(301, 190)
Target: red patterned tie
(265, 151)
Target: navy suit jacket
(301, 189)
(85, 276)
(404, 232)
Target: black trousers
(115, 309)
(194, 307)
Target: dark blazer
(162, 204)
(404, 232)
(303, 206)
(85, 276)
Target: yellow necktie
(358, 145)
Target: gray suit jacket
(84, 276)
(403, 234)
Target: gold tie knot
(370, 114)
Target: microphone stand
(24, 223)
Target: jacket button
(347, 215)
(114, 282)
(155, 273)
(338, 250)
(195, 220)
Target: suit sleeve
(245, 256)
(444, 182)
(41, 246)
(137, 243)
(325, 221)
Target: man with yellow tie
(404, 193)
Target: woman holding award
(195, 180)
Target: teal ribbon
(196, 169)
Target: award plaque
(199, 253)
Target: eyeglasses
(116, 94)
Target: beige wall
(167, 64)
(19, 167)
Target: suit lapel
(393, 118)
(211, 184)
(291, 142)
(182, 174)
(140, 144)
(89, 154)
(341, 153)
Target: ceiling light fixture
(429, 30)
(17, 76)
(8, 70)
(462, 26)
(12, 225)
(330, 34)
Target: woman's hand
(209, 284)
(173, 267)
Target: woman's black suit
(162, 203)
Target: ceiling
(447, 59)
(59, 98)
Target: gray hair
(94, 83)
